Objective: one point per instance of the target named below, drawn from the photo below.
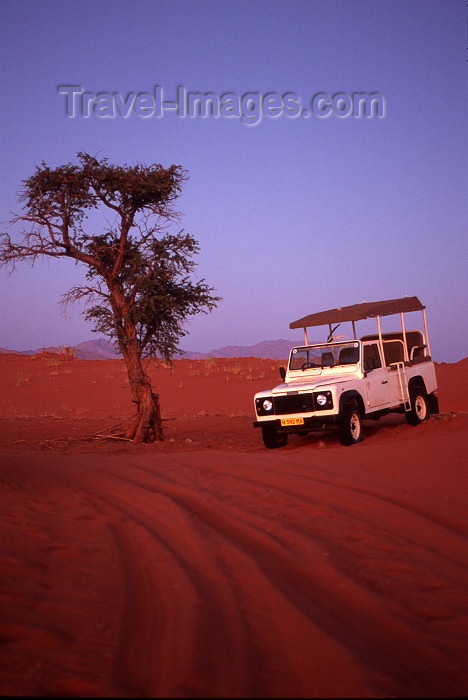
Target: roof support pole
(379, 329)
(354, 330)
(426, 333)
(405, 346)
(306, 339)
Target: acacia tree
(139, 287)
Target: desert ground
(209, 566)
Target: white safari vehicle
(343, 382)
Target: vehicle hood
(299, 385)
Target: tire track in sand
(220, 632)
(270, 577)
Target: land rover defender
(342, 382)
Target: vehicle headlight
(264, 406)
(323, 401)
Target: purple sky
(293, 215)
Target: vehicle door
(378, 378)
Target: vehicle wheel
(350, 425)
(272, 438)
(433, 404)
(420, 410)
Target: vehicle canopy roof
(359, 312)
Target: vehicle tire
(272, 438)
(350, 427)
(420, 409)
(433, 404)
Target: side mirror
(282, 372)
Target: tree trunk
(147, 426)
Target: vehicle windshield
(326, 355)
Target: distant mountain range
(103, 349)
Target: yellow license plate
(292, 421)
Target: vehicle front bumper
(310, 423)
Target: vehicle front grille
(298, 403)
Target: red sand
(208, 566)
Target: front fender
(352, 396)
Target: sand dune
(208, 566)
